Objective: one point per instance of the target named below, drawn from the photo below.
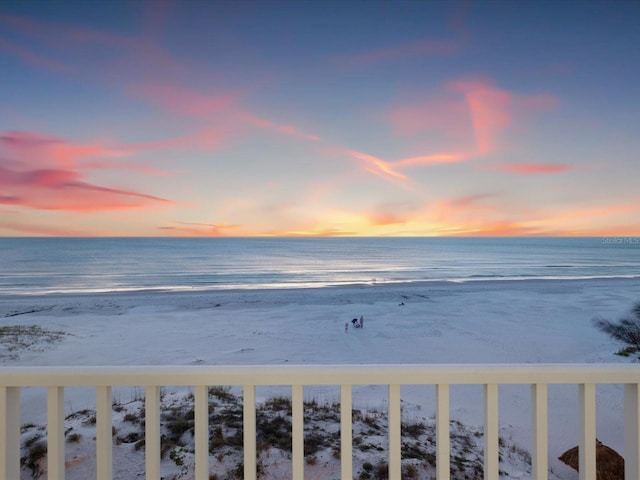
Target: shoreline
(168, 289)
(359, 288)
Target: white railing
(12, 379)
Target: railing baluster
(539, 421)
(201, 431)
(249, 429)
(395, 433)
(12, 379)
(346, 432)
(297, 431)
(587, 447)
(104, 433)
(443, 450)
(152, 432)
(55, 433)
(631, 431)
(9, 433)
(491, 426)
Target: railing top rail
(411, 374)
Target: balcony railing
(539, 377)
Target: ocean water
(86, 265)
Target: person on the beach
(361, 321)
(355, 322)
(346, 327)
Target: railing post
(104, 433)
(152, 432)
(395, 433)
(9, 433)
(491, 425)
(201, 431)
(297, 431)
(587, 446)
(249, 431)
(443, 448)
(539, 420)
(346, 433)
(55, 433)
(631, 431)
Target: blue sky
(319, 118)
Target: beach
(528, 321)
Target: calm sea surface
(55, 265)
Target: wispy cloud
(528, 168)
(377, 166)
(21, 228)
(390, 170)
(135, 58)
(183, 101)
(475, 114)
(489, 110)
(434, 159)
(188, 103)
(46, 173)
(259, 122)
(194, 229)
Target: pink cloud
(489, 110)
(473, 117)
(445, 115)
(377, 166)
(385, 217)
(45, 150)
(183, 102)
(270, 125)
(199, 229)
(435, 159)
(529, 168)
(66, 190)
(206, 139)
(137, 53)
(389, 170)
(47, 173)
(46, 230)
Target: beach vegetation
(74, 438)
(222, 393)
(274, 438)
(131, 437)
(36, 452)
(381, 471)
(131, 417)
(274, 431)
(17, 338)
(410, 471)
(279, 403)
(625, 330)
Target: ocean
(87, 265)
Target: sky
(319, 118)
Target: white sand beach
(542, 321)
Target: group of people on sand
(357, 323)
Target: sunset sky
(210, 118)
